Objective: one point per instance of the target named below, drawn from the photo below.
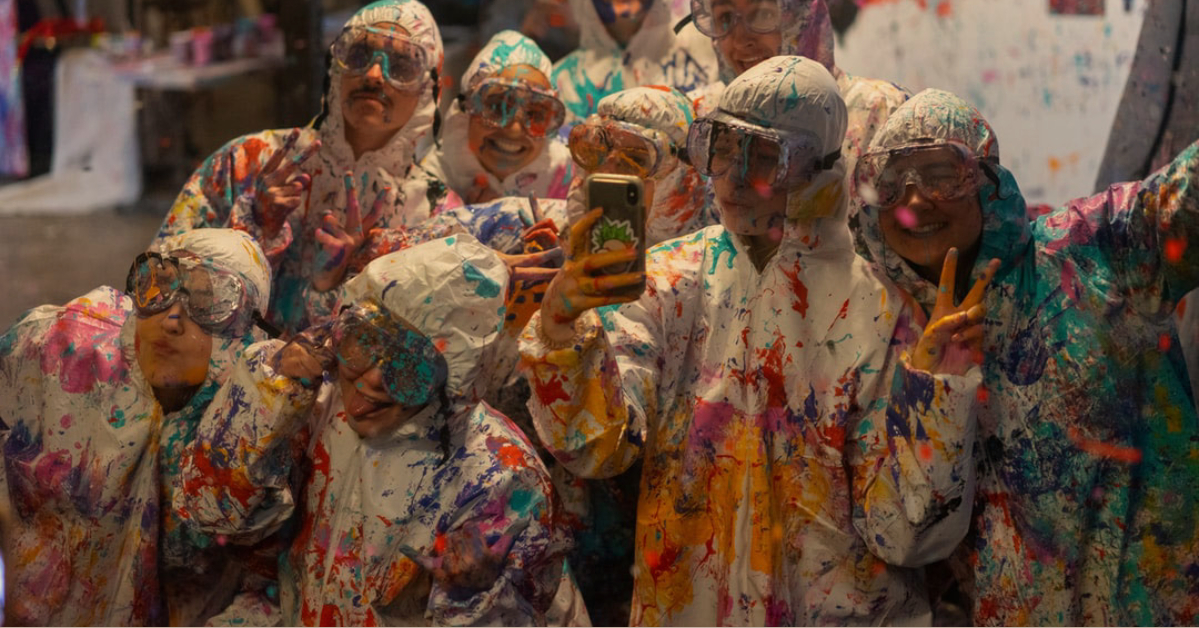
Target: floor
(55, 259)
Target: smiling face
(503, 151)
(742, 47)
(922, 230)
(373, 109)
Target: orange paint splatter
(1055, 165)
(926, 452)
(1129, 455)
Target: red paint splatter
(925, 451)
(983, 394)
(1175, 247)
(1163, 343)
(550, 391)
(800, 303)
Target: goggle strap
(683, 23)
(829, 160)
(265, 325)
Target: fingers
(578, 232)
(980, 287)
(596, 261)
(970, 335)
(534, 275)
(429, 563)
(535, 209)
(382, 200)
(353, 214)
(295, 162)
(606, 283)
(949, 272)
(276, 159)
(541, 258)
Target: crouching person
(416, 502)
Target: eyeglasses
(217, 301)
(413, 370)
(718, 19)
(941, 171)
(404, 63)
(622, 148)
(499, 102)
(722, 144)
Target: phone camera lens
(633, 198)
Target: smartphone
(622, 225)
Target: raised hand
(280, 190)
(340, 242)
(575, 290)
(542, 235)
(308, 356)
(954, 333)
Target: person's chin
(374, 423)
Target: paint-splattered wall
(1048, 74)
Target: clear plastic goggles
(718, 18)
(367, 336)
(615, 147)
(217, 301)
(722, 144)
(404, 63)
(499, 102)
(941, 171)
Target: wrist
(557, 334)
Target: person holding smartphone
(98, 400)
(806, 447)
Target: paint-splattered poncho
(1088, 453)
(91, 464)
(547, 176)
(655, 55)
(222, 192)
(359, 501)
(789, 453)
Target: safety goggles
(367, 336)
(622, 148)
(404, 63)
(718, 18)
(941, 171)
(722, 144)
(215, 300)
(499, 102)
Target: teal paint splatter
(721, 246)
(521, 500)
(486, 288)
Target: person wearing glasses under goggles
(291, 188)
(500, 136)
(624, 44)
(805, 446)
(98, 400)
(417, 502)
(1088, 443)
(747, 32)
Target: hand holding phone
(605, 255)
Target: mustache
(372, 91)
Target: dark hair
(993, 177)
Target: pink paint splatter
(905, 216)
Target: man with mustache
(292, 189)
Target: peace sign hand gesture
(954, 332)
(340, 242)
(280, 190)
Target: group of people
(372, 371)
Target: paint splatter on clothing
(792, 460)
(1088, 451)
(91, 462)
(654, 56)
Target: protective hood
(452, 290)
(799, 95)
(654, 56)
(388, 166)
(938, 115)
(230, 251)
(680, 199)
(456, 165)
(811, 37)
